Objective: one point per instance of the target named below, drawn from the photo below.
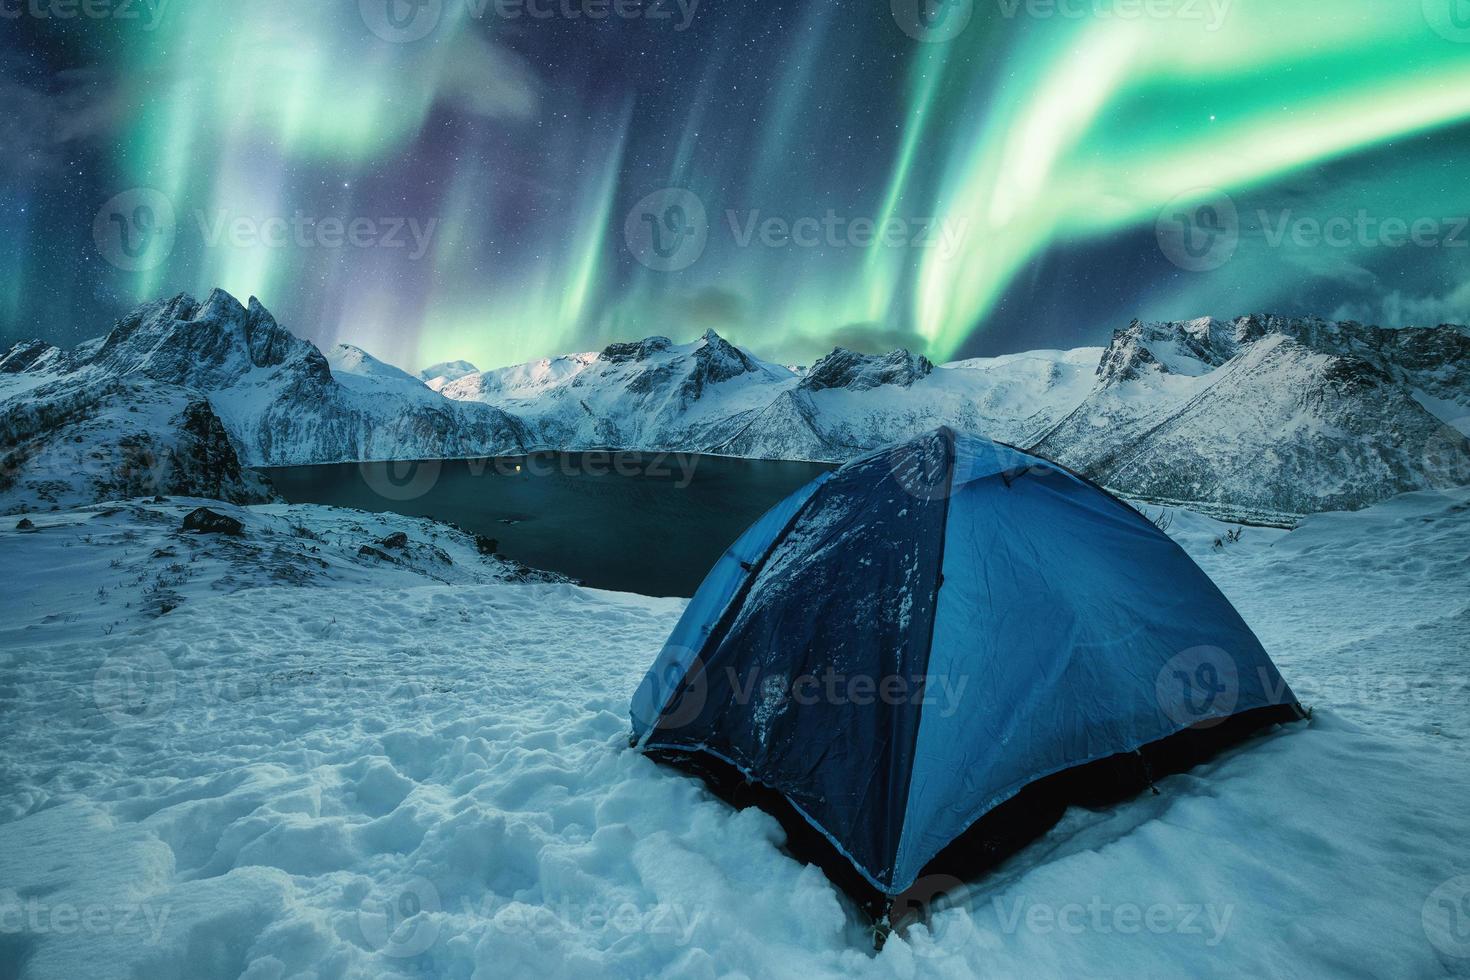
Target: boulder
(205, 521)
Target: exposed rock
(862, 372)
(638, 350)
(398, 539)
(27, 355)
(205, 521)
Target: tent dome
(933, 636)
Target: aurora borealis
(434, 179)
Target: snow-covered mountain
(1271, 415)
(436, 376)
(176, 371)
(711, 396)
(652, 394)
(848, 403)
(1262, 416)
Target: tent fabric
(912, 640)
(730, 572)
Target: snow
(323, 763)
(349, 363)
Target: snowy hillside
(710, 396)
(324, 760)
(436, 376)
(849, 403)
(1269, 416)
(279, 400)
(652, 394)
(1264, 418)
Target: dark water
(635, 522)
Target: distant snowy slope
(436, 376)
(711, 396)
(652, 394)
(349, 364)
(849, 403)
(277, 396)
(1265, 416)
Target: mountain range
(1259, 417)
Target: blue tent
(946, 637)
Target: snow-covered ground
(326, 763)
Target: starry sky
(500, 180)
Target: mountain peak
(637, 350)
(447, 371)
(183, 341)
(849, 369)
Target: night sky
(434, 179)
